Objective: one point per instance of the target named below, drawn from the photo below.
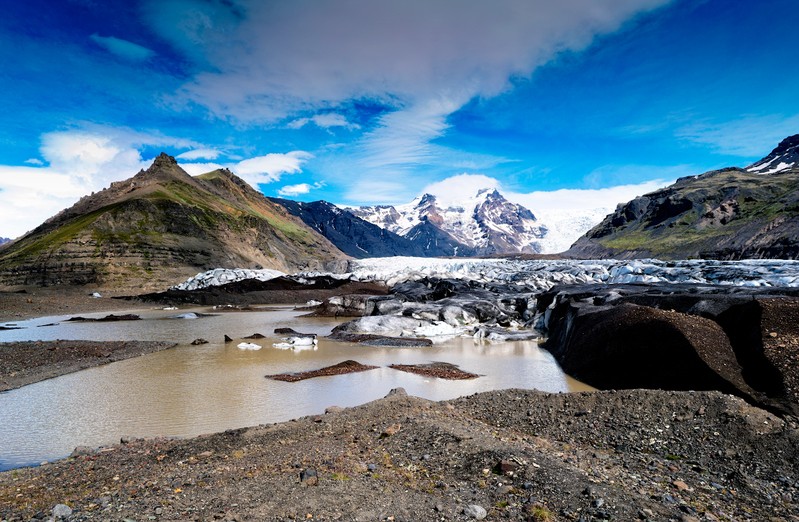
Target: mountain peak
(785, 156)
(164, 167)
(163, 160)
(482, 223)
(426, 199)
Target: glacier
(539, 275)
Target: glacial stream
(190, 390)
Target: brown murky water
(191, 390)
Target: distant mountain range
(724, 214)
(160, 227)
(163, 225)
(484, 224)
(4, 240)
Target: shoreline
(28, 362)
(517, 454)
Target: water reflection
(191, 390)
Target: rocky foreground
(523, 455)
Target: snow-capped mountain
(486, 223)
(785, 156)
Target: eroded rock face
(678, 337)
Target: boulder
(735, 340)
(350, 305)
(385, 325)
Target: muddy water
(191, 390)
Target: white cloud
(270, 167)
(123, 48)
(77, 162)
(403, 138)
(34, 161)
(566, 200)
(749, 137)
(460, 187)
(209, 154)
(295, 190)
(299, 189)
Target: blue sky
(569, 104)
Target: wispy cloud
(748, 137)
(190, 155)
(629, 175)
(277, 62)
(123, 48)
(324, 121)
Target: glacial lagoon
(190, 390)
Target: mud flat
(27, 362)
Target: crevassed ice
(540, 274)
(544, 274)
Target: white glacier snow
(544, 274)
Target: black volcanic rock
(743, 341)
(349, 233)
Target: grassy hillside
(158, 228)
(727, 214)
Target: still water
(190, 390)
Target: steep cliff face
(724, 214)
(158, 228)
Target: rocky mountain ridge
(483, 224)
(785, 156)
(159, 227)
(730, 213)
(350, 234)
